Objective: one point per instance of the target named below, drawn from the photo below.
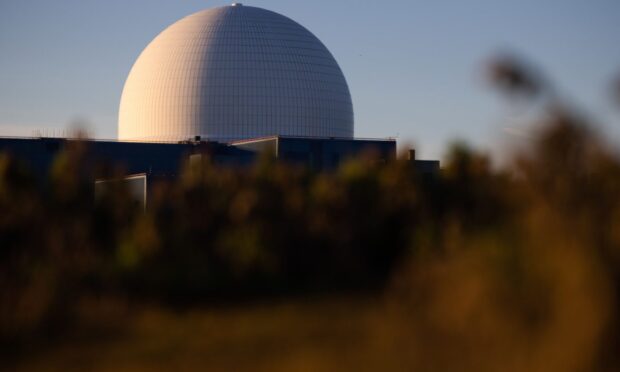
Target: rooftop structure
(233, 73)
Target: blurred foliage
(476, 268)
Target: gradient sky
(414, 67)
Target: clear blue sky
(413, 67)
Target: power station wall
(321, 153)
(159, 159)
(329, 154)
(166, 160)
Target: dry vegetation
(371, 267)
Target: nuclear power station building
(229, 82)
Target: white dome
(231, 73)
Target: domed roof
(231, 73)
